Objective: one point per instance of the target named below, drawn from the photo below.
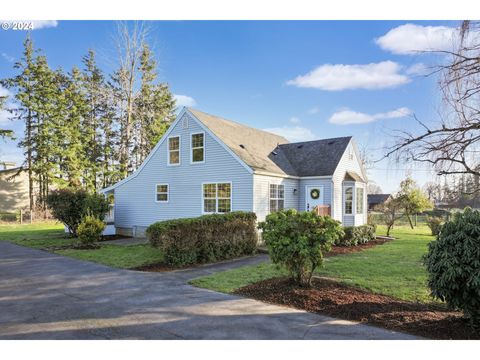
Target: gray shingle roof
(375, 199)
(264, 151)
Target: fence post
(21, 216)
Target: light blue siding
(135, 204)
(262, 194)
(326, 184)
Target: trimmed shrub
(453, 264)
(204, 239)
(9, 217)
(435, 224)
(356, 235)
(71, 206)
(90, 230)
(298, 240)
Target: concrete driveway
(46, 296)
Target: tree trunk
(409, 220)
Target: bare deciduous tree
(452, 146)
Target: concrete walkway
(46, 296)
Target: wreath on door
(314, 193)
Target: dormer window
(174, 150)
(198, 148)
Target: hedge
(356, 235)
(204, 239)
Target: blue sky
(303, 79)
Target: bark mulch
(329, 297)
(340, 250)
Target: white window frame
(345, 199)
(179, 150)
(275, 198)
(156, 193)
(198, 147)
(216, 196)
(362, 202)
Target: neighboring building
(376, 200)
(13, 188)
(205, 164)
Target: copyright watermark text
(17, 25)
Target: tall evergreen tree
(154, 108)
(22, 84)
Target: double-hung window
(277, 197)
(359, 201)
(198, 148)
(161, 193)
(217, 197)
(174, 150)
(349, 200)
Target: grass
(37, 235)
(123, 257)
(50, 234)
(393, 269)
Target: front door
(313, 197)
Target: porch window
(359, 201)
(349, 200)
(174, 150)
(217, 198)
(161, 193)
(277, 197)
(198, 148)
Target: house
(13, 188)
(376, 200)
(205, 164)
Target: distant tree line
(456, 191)
(84, 128)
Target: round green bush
(297, 241)
(435, 224)
(89, 230)
(453, 264)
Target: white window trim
(344, 199)
(277, 198)
(363, 200)
(168, 193)
(216, 196)
(191, 148)
(179, 150)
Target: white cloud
(184, 100)
(8, 58)
(419, 69)
(314, 110)
(347, 117)
(294, 120)
(335, 77)
(4, 91)
(410, 39)
(36, 24)
(4, 117)
(293, 133)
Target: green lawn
(393, 269)
(36, 235)
(50, 234)
(124, 257)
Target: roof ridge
(240, 124)
(326, 139)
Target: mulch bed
(332, 298)
(158, 267)
(339, 250)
